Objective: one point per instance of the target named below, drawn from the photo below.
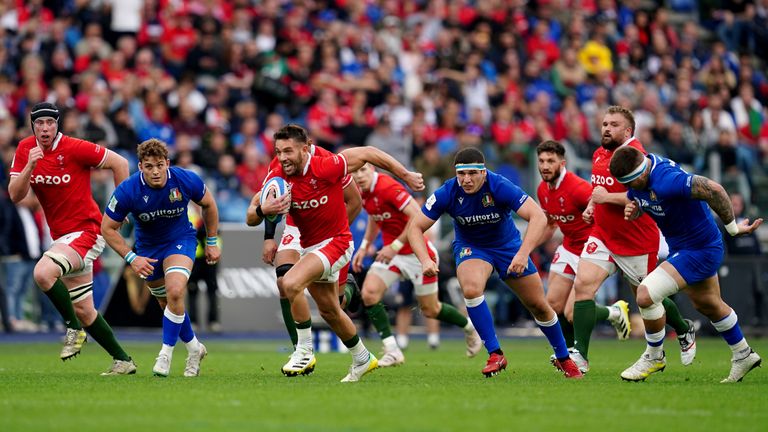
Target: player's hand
(414, 180)
(268, 251)
(275, 206)
(386, 254)
(212, 254)
(143, 267)
(429, 268)
(588, 214)
(632, 211)
(746, 228)
(518, 265)
(357, 261)
(35, 154)
(599, 195)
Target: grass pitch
(241, 389)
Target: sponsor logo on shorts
(591, 247)
(556, 257)
(287, 239)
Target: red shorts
(335, 254)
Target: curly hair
(152, 147)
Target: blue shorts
(698, 264)
(499, 258)
(186, 245)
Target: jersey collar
(632, 138)
(56, 141)
(373, 182)
(306, 166)
(561, 178)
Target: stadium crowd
(417, 79)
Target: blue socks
(481, 317)
(186, 334)
(554, 334)
(172, 325)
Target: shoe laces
(71, 337)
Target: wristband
(130, 256)
(396, 245)
(364, 245)
(259, 213)
(212, 241)
(732, 228)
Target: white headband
(637, 172)
(470, 166)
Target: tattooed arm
(707, 190)
(713, 193)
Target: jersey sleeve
(673, 182)
(119, 204)
(20, 159)
(88, 153)
(346, 181)
(397, 195)
(507, 193)
(332, 168)
(191, 183)
(436, 204)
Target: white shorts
(87, 245)
(565, 263)
(407, 267)
(635, 268)
(290, 239)
(335, 253)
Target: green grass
(241, 389)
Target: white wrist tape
(732, 228)
(397, 245)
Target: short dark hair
(152, 147)
(469, 155)
(625, 112)
(550, 146)
(294, 132)
(624, 160)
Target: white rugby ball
(276, 187)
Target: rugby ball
(275, 187)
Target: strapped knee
(652, 312)
(158, 291)
(80, 293)
(281, 270)
(60, 260)
(660, 285)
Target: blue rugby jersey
(484, 218)
(686, 223)
(160, 215)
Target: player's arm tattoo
(707, 190)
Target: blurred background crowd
(419, 79)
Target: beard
(550, 178)
(609, 143)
